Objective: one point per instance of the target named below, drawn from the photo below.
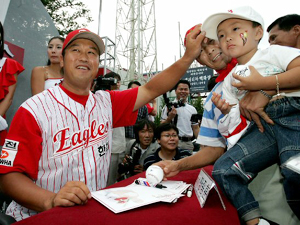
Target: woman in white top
(44, 77)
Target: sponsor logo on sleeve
(11, 145)
(9, 152)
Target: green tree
(198, 104)
(68, 15)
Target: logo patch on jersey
(7, 157)
(9, 152)
(69, 141)
(10, 144)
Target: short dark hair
(113, 75)
(255, 24)
(133, 82)
(286, 22)
(140, 126)
(1, 41)
(164, 127)
(55, 37)
(182, 82)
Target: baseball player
(59, 145)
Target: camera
(104, 83)
(126, 168)
(178, 104)
(169, 104)
(196, 118)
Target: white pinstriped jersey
(76, 140)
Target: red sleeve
(25, 135)
(10, 68)
(122, 107)
(150, 108)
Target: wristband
(266, 94)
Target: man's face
(80, 63)
(182, 91)
(281, 37)
(133, 86)
(238, 38)
(116, 86)
(169, 140)
(146, 136)
(212, 56)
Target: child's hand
(221, 104)
(252, 82)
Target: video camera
(169, 104)
(126, 168)
(104, 83)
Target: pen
(160, 186)
(145, 183)
(190, 191)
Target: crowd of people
(69, 139)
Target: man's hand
(193, 42)
(172, 113)
(72, 193)
(221, 104)
(252, 82)
(138, 169)
(252, 107)
(171, 168)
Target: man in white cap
(59, 145)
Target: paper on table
(133, 196)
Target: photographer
(138, 149)
(180, 115)
(112, 81)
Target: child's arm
(221, 104)
(233, 125)
(287, 80)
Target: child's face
(239, 39)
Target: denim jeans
(256, 151)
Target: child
(268, 62)
(239, 32)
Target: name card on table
(203, 185)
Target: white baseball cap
(211, 24)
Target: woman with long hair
(44, 77)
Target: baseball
(154, 175)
